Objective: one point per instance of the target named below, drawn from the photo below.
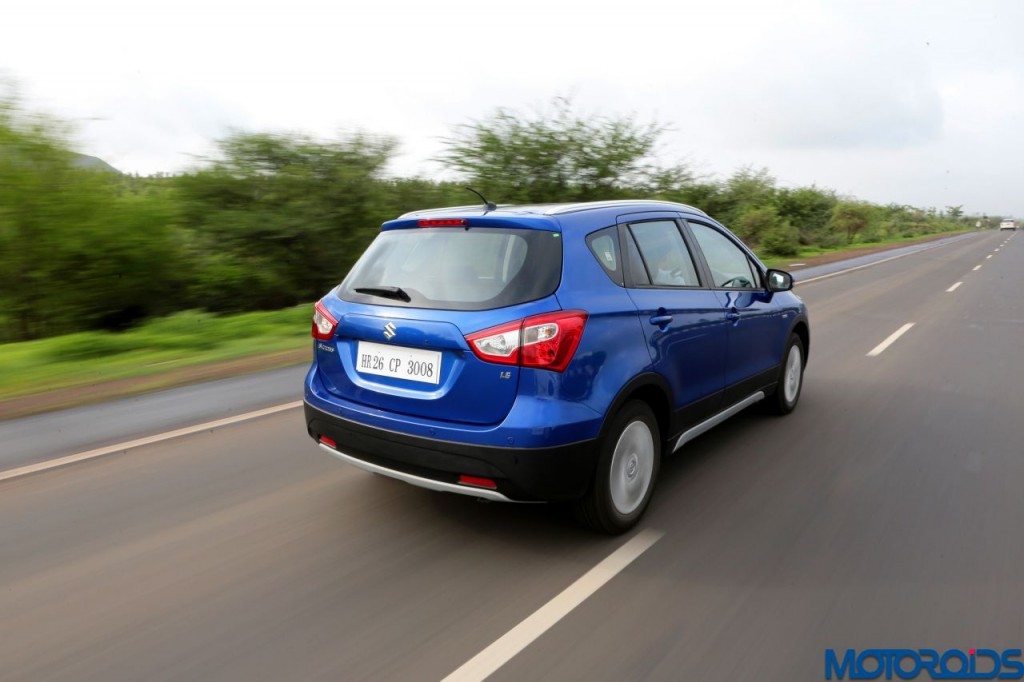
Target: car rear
(419, 352)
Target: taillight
(550, 340)
(546, 341)
(498, 344)
(324, 324)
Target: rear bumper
(522, 474)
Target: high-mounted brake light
(324, 324)
(545, 341)
(444, 222)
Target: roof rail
(561, 208)
(558, 209)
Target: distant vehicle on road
(1008, 224)
(549, 352)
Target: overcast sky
(910, 102)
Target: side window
(637, 270)
(730, 267)
(604, 244)
(664, 252)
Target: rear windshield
(456, 268)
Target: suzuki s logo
(389, 331)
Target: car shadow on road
(528, 526)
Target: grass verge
(809, 254)
(159, 346)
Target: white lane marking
(976, 267)
(953, 288)
(148, 440)
(988, 256)
(793, 265)
(996, 251)
(877, 262)
(540, 621)
(877, 350)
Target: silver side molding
(417, 480)
(714, 420)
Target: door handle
(661, 320)
(732, 315)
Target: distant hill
(93, 163)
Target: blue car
(549, 352)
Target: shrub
(754, 223)
(781, 240)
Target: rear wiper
(397, 293)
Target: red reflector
(477, 481)
(443, 222)
(329, 442)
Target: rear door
(405, 310)
(684, 322)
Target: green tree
(809, 209)
(279, 219)
(850, 218)
(561, 155)
(76, 250)
(750, 186)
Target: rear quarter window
(604, 244)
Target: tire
(788, 388)
(627, 469)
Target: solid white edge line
(147, 440)
(540, 621)
(976, 267)
(953, 288)
(798, 282)
(877, 350)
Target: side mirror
(779, 280)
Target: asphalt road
(885, 512)
(62, 432)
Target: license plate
(411, 364)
